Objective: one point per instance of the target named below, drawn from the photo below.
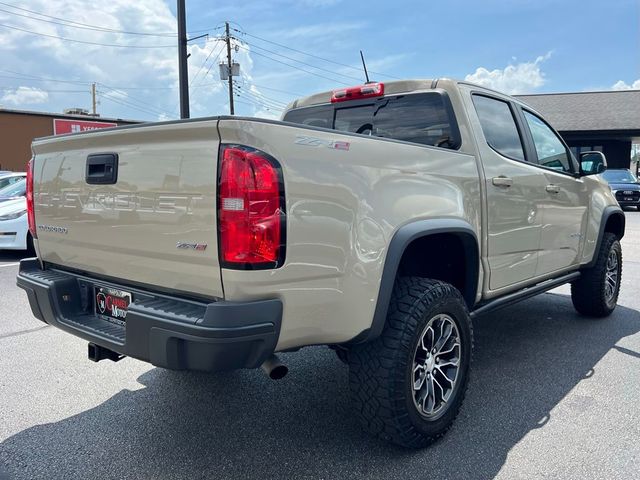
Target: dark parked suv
(624, 186)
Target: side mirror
(592, 163)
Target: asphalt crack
(23, 332)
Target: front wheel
(408, 385)
(595, 293)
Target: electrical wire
(294, 94)
(253, 103)
(212, 64)
(206, 60)
(312, 55)
(84, 41)
(248, 96)
(44, 90)
(294, 66)
(130, 105)
(134, 100)
(71, 23)
(357, 79)
(25, 76)
(259, 95)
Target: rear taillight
(31, 216)
(354, 93)
(251, 210)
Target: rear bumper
(166, 331)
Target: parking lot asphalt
(553, 395)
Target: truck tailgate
(156, 226)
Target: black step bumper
(167, 331)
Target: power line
(293, 94)
(34, 78)
(294, 66)
(252, 103)
(248, 96)
(39, 79)
(304, 63)
(260, 95)
(312, 55)
(44, 90)
(134, 100)
(87, 82)
(221, 45)
(84, 41)
(86, 26)
(209, 69)
(125, 103)
(81, 27)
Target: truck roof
(394, 87)
(401, 86)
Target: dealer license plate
(112, 304)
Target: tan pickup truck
(379, 220)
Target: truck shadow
(242, 425)
(13, 255)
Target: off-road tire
(588, 292)
(381, 371)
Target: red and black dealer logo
(112, 304)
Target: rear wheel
(595, 293)
(408, 385)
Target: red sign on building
(62, 126)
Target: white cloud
(622, 85)
(41, 57)
(138, 83)
(24, 96)
(522, 77)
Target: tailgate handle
(102, 169)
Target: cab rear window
(423, 118)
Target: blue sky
(514, 46)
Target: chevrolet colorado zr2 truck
(378, 220)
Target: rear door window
(499, 126)
(424, 118)
(421, 118)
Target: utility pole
(183, 76)
(229, 66)
(93, 99)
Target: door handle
(502, 181)
(102, 169)
(552, 188)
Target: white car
(9, 178)
(14, 231)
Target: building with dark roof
(607, 121)
(18, 128)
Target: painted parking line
(9, 264)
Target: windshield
(18, 189)
(619, 176)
